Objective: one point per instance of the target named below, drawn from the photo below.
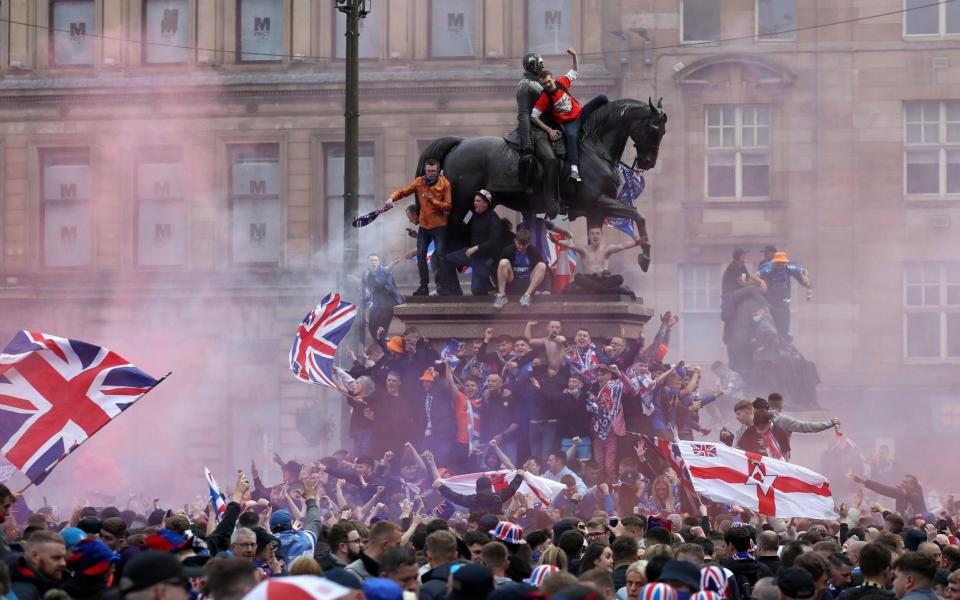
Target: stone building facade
(171, 172)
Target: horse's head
(646, 126)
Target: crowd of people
(392, 529)
(520, 399)
(385, 520)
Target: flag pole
(49, 469)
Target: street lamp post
(354, 10)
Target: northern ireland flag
(765, 485)
(544, 489)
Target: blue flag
(633, 185)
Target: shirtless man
(552, 343)
(594, 265)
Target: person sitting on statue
(485, 244)
(564, 110)
(738, 284)
(435, 197)
(594, 265)
(521, 269)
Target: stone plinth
(467, 317)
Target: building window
(738, 151)
(333, 207)
(369, 43)
(161, 207)
(260, 28)
(257, 214)
(65, 207)
(453, 28)
(932, 153)
(166, 34)
(549, 26)
(700, 312)
(932, 311)
(777, 19)
(922, 17)
(700, 20)
(73, 28)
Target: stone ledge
(467, 318)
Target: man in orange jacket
(434, 197)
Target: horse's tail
(438, 149)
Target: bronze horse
(491, 163)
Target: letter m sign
(552, 18)
(258, 187)
(78, 30)
(162, 232)
(258, 232)
(261, 24)
(68, 234)
(168, 25)
(68, 191)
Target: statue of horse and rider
(522, 170)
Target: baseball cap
(681, 571)
(471, 582)
(89, 525)
(486, 195)
(151, 567)
(796, 583)
(281, 520)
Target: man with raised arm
(594, 269)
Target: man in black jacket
(768, 546)
(485, 500)
(875, 566)
(41, 567)
(345, 546)
(219, 540)
(746, 570)
(909, 494)
(441, 556)
(485, 244)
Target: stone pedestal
(467, 317)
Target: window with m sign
(166, 32)
(161, 211)
(73, 32)
(452, 28)
(549, 26)
(260, 24)
(65, 198)
(257, 214)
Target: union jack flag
(55, 393)
(315, 345)
(707, 450)
(670, 452)
(216, 496)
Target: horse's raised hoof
(643, 259)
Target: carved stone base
(467, 317)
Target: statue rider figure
(528, 91)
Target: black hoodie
(485, 500)
(746, 572)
